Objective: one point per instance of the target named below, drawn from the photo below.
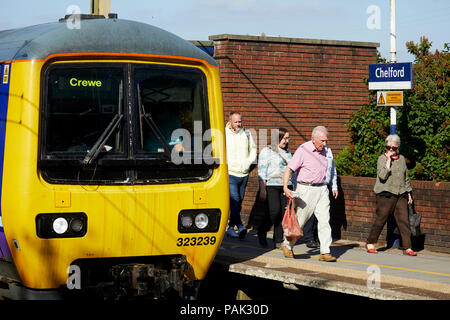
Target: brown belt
(311, 184)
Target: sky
(353, 20)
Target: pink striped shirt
(312, 164)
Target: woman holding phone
(393, 194)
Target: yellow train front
(113, 171)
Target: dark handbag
(414, 221)
(262, 189)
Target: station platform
(387, 275)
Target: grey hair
(393, 138)
(317, 130)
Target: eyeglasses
(391, 148)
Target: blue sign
(209, 50)
(390, 76)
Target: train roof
(94, 35)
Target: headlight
(186, 221)
(61, 225)
(76, 225)
(204, 220)
(201, 221)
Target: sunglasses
(391, 148)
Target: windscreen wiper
(100, 143)
(153, 126)
(95, 150)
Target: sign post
(392, 99)
(393, 53)
(393, 76)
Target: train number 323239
(196, 241)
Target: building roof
(94, 35)
(264, 38)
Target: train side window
(81, 102)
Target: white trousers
(309, 200)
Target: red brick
(299, 86)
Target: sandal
(371, 250)
(409, 252)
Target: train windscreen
(123, 123)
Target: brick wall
(353, 212)
(294, 83)
(299, 84)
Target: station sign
(392, 76)
(390, 98)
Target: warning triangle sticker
(381, 100)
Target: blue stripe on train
(5, 79)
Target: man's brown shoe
(327, 257)
(287, 253)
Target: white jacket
(241, 151)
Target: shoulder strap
(247, 133)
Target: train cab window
(170, 103)
(172, 113)
(81, 104)
(83, 112)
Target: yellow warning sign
(394, 98)
(390, 98)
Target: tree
(422, 123)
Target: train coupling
(146, 280)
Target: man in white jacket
(241, 153)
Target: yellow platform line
(352, 261)
(397, 268)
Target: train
(113, 174)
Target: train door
(5, 72)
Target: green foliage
(422, 123)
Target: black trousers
(276, 201)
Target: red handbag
(291, 228)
